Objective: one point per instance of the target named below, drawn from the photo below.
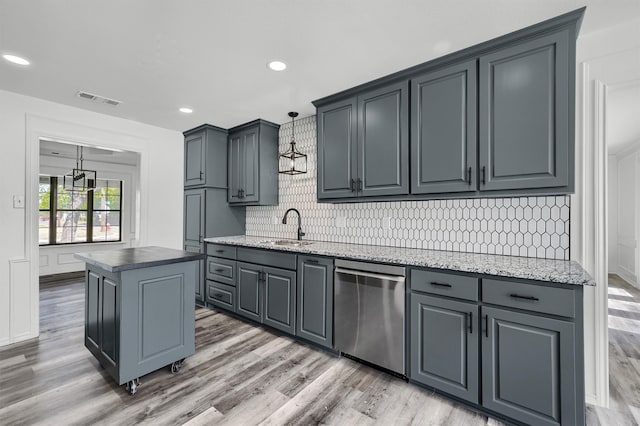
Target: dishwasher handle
(395, 278)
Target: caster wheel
(176, 366)
(132, 386)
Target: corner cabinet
(496, 119)
(526, 126)
(253, 164)
(363, 144)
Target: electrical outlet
(18, 201)
(386, 223)
(275, 220)
(341, 222)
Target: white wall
(22, 121)
(58, 259)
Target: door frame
(589, 229)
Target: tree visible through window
(68, 217)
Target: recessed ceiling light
(277, 65)
(15, 59)
(186, 110)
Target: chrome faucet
(284, 221)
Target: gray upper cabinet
(493, 119)
(194, 215)
(524, 115)
(315, 300)
(528, 368)
(205, 157)
(443, 132)
(337, 149)
(383, 141)
(363, 144)
(253, 164)
(444, 345)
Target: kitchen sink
(293, 243)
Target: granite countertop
(557, 271)
(136, 257)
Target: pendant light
(292, 161)
(80, 179)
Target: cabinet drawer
(221, 295)
(531, 297)
(268, 258)
(221, 270)
(443, 284)
(220, 250)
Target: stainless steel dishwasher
(369, 313)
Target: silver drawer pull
(517, 296)
(218, 270)
(218, 295)
(219, 251)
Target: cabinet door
(528, 367)
(443, 130)
(280, 299)
(250, 158)
(235, 167)
(314, 308)
(200, 279)
(109, 322)
(249, 291)
(383, 141)
(444, 345)
(194, 216)
(194, 158)
(337, 150)
(524, 115)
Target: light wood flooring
(243, 374)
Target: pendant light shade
(292, 161)
(80, 179)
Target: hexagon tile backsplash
(522, 226)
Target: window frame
(90, 211)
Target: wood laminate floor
(243, 374)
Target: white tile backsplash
(522, 226)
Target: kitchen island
(140, 314)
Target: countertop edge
(580, 279)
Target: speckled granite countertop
(558, 271)
(136, 258)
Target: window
(69, 217)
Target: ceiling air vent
(97, 98)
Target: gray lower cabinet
(524, 115)
(444, 345)
(443, 130)
(267, 295)
(315, 300)
(140, 320)
(199, 284)
(207, 214)
(528, 368)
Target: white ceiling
(158, 55)
(623, 116)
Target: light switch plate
(341, 221)
(18, 201)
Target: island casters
(176, 366)
(132, 386)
